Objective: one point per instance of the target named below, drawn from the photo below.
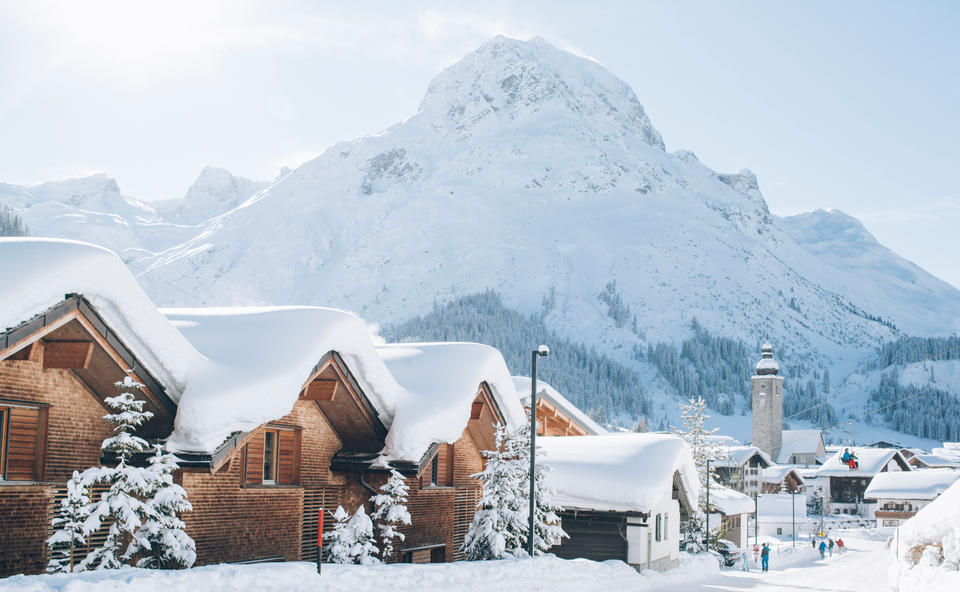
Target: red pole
(319, 538)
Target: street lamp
(540, 351)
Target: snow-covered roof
(736, 456)
(777, 507)
(440, 382)
(255, 362)
(618, 472)
(799, 442)
(872, 461)
(936, 460)
(38, 272)
(777, 473)
(919, 485)
(522, 384)
(729, 501)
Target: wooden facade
(552, 421)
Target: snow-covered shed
(73, 322)
(778, 514)
(623, 495)
(740, 467)
(556, 415)
(781, 478)
(901, 494)
(730, 510)
(844, 488)
(802, 447)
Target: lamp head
(543, 351)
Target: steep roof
(872, 461)
(919, 485)
(38, 272)
(936, 461)
(777, 473)
(255, 362)
(729, 501)
(522, 384)
(618, 472)
(736, 456)
(799, 441)
(439, 383)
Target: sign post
(319, 539)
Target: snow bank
(544, 573)
(617, 472)
(915, 485)
(927, 553)
(440, 382)
(255, 362)
(522, 384)
(37, 273)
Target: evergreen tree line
(908, 350)
(604, 388)
(933, 413)
(719, 370)
(11, 224)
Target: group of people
(827, 546)
(850, 459)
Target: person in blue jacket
(823, 549)
(765, 557)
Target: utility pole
(540, 351)
(756, 520)
(793, 516)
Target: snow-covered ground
(546, 574)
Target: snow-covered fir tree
(699, 439)
(70, 526)
(162, 540)
(364, 548)
(122, 504)
(390, 511)
(547, 531)
(340, 538)
(499, 524)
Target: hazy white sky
(847, 105)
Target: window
(269, 456)
(666, 527)
(659, 535)
(779, 530)
(22, 433)
(3, 441)
(435, 470)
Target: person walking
(765, 557)
(813, 543)
(823, 549)
(840, 546)
(830, 546)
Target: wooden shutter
(254, 454)
(287, 460)
(24, 448)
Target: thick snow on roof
(871, 460)
(919, 485)
(37, 273)
(522, 384)
(936, 460)
(617, 472)
(777, 473)
(798, 441)
(440, 382)
(777, 507)
(938, 523)
(255, 362)
(729, 501)
(735, 456)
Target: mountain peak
(215, 191)
(507, 83)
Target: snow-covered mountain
(535, 173)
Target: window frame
(435, 470)
(4, 422)
(658, 536)
(274, 456)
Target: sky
(850, 106)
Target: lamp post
(708, 503)
(793, 516)
(540, 351)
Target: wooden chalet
(741, 467)
(557, 416)
(844, 489)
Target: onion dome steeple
(767, 365)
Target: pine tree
(364, 549)
(70, 526)
(641, 426)
(547, 531)
(162, 540)
(703, 449)
(341, 539)
(498, 525)
(390, 511)
(121, 504)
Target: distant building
(844, 489)
(781, 514)
(768, 404)
(781, 479)
(802, 447)
(900, 495)
(731, 510)
(740, 467)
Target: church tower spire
(768, 404)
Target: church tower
(768, 404)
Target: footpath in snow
(545, 574)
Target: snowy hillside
(536, 174)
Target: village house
(623, 495)
(557, 415)
(900, 495)
(741, 467)
(730, 510)
(779, 514)
(802, 447)
(780, 478)
(844, 489)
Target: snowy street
(862, 568)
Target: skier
(765, 557)
(823, 549)
(830, 546)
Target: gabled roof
(911, 485)
(729, 501)
(38, 274)
(618, 472)
(872, 461)
(255, 362)
(935, 461)
(737, 456)
(439, 384)
(799, 442)
(777, 473)
(522, 384)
